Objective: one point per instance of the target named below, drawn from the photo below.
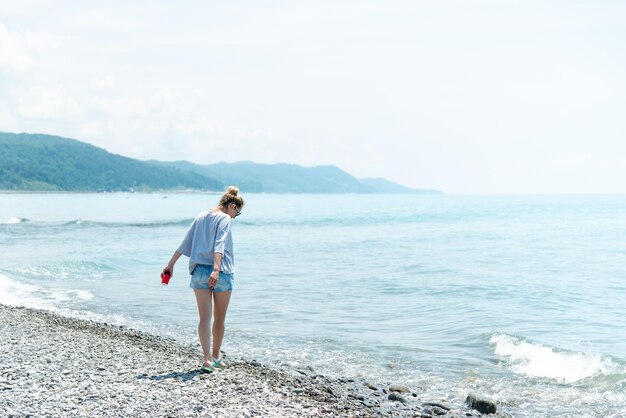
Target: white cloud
(103, 84)
(118, 107)
(164, 125)
(7, 120)
(50, 103)
(110, 19)
(19, 50)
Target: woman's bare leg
(203, 299)
(220, 300)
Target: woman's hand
(213, 278)
(169, 269)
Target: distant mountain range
(46, 163)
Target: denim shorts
(200, 279)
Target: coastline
(51, 365)
(156, 191)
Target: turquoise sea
(519, 298)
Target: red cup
(165, 278)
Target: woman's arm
(183, 249)
(223, 229)
(215, 274)
(170, 266)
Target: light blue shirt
(208, 234)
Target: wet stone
(482, 405)
(396, 398)
(439, 411)
(437, 404)
(399, 389)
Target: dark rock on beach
(482, 405)
(439, 411)
(395, 397)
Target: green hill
(291, 178)
(45, 162)
(386, 186)
(278, 178)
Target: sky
(467, 97)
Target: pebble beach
(55, 366)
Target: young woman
(209, 246)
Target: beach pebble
(399, 389)
(437, 404)
(482, 405)
(439, 411)
(395, 397)
(371, 386)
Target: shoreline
(174, 191)
(52, 365)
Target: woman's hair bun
(232, 196)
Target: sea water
(517, 298)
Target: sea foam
(537, 360)
(61, 301)
(14, 293)
(17, 293)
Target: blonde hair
(232, 196)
